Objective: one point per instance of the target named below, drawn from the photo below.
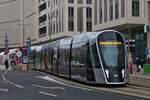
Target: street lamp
(23, 30)
(6, 40)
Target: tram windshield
(112, 50)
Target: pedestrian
(130, 63)
(6, 60)
(141, 63)
(138, 64)
(148, 60)
(13, 62)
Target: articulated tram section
(93, 58)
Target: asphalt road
(38, 86)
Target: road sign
(18, 53)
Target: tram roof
(84, 35)
(80, 37)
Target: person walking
(6, 60)
(138, 64)
(130, 63)
(142, 63)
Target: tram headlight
(123, 73)
(107, 73)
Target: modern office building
(127, 16)
(18, 21)
(44, 20)
(60, 18)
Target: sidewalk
(2, 67)
(139, 74)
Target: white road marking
(41, 92)
(9, 82)
(48, 87)
(4, 90)
(5, 80)
(53, 80)
(19, 86)
(2, 82)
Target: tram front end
(112, 55)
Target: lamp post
(6, 39)
(23, 30)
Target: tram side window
(79, 55)
(49, 53)
(89, 58)
(95, 56)
(55, 56)
(64, 56)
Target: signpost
(18, 53)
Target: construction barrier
(20, 67)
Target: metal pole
(49, 18)
(23, 27)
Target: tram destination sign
(110, 43)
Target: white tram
(92, 57)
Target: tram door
(55, 58)
(89, 69)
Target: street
(40, 86)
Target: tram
(91, 57)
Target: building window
(71, 26)
(95, 12)
(105, 10)
(88, 1)
(89, 19)
(70, 1)
(70, 11)
(80, 2)
(42, 31)
(80, 19)
(42, 7)
(89, 26)
(100, 11)
(88, 12)
(122, 8)
(54, 28)
(57, 27)
(135, 8)
(70, 18)
(42, 20)
(111, 9)
(117, 9)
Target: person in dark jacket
(6, 60)
(138, 64)
(141, 63)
